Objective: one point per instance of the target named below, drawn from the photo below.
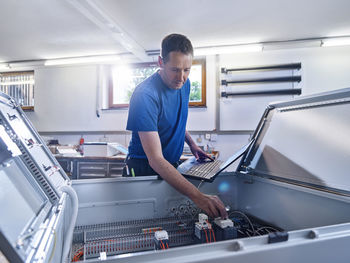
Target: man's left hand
(199, 153)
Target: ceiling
(47, 29)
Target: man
(157, 118)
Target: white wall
(66, 101)
(323, 69)
(65, 97)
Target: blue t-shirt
(156, 107)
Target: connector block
(161, 240)
(224, 229)
(202, 218)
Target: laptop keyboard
(205, 170)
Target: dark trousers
(140, 167)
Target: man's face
(175, 71)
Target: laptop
(208, 170)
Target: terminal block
(202, 218)
(203, 230)
(224, 229)
(161, 240)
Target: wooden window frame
(198, 104)
(203, 102)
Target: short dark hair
(175, 42)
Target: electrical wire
(150, 235)
(267, 227)
(69, 234)
(162, 244)
(211, 231)
(78, 254)
(55, 170)
(240, 231)
(246, 217)
(206, 236)
(54, 245)
(213, 234)
(23, 237)
(200, 184)
(258, 232)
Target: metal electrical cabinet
(294, 177)
(34, 218)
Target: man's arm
(212, 205)
(196, 151)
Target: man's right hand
(212, 205)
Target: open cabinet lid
(304, 141)
(30, 179)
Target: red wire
(162, 244)
(78, 254)
(213, 235)
(150, 235)
(210, 229)
(211, 232)
(206, 236)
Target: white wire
(25, 236)
(200, 184)
(69, 235)
(267, 227)
(54, 246)
(242, 214)
(240, 231)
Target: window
(20, 86)
(198, 84)
(124, 79)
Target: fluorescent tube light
(227, 49)
(82, 60)
(4, 66)
(26, 64)
(338, 41)
(291, 44)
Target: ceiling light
(4, 66)
(227, 49)
(26, 64)
(338, 41)
(82, 60)
(291, 44)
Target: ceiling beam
(107, 24)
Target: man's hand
(199, 153)
(212, 205)
(195, 149)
